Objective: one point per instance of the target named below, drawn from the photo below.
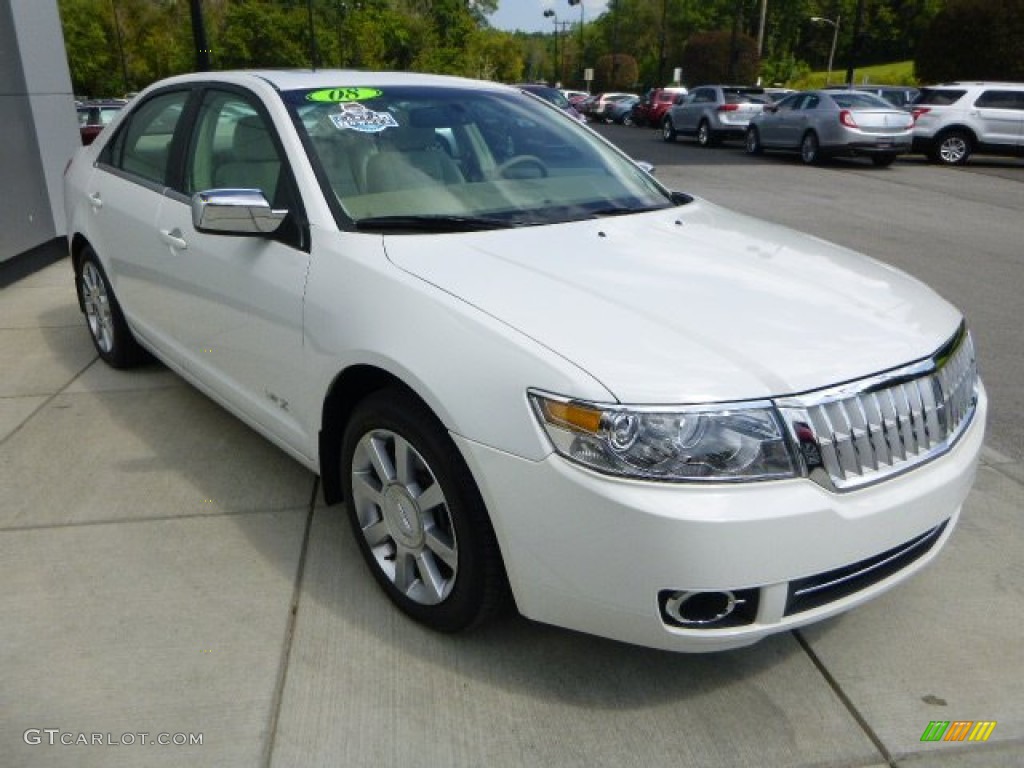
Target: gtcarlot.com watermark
(57, 737)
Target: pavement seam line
(47, 401)
(845, 700)
(155, 519)
(293, 613)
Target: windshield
(395, 156)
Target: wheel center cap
(402, 515)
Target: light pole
(835, 37)
(550, 14)
(583, 46)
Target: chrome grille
(862, 432)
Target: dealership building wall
(40, 129)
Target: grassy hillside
(896, 73)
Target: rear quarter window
(1001, 100)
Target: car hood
(690, 304)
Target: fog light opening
(701, 609)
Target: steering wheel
(530, 160)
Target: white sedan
(524, 365)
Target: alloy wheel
(98, 313)
(404, 517)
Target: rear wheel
(953, 148)
(417, 515)
(810, 150)
(107, 327)
(668, 131)
(883, 161)
(753, 144)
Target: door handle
(174, 239)
(95, 201)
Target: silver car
(829, 123)
(712, 113)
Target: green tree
(92, 49)
(616, 72)
(973, 40)
(710, 57)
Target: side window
(789, 103)
(1000, 100)
(704, 96)
(143, 147)
(811, 102)
(232, 148)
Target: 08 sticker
(338, 95)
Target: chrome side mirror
(234, 212)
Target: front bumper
(592, 553)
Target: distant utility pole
(312, 35)
(120, 46)
(199, 36)
(858, 34)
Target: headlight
(743, 441)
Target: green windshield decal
(336, 95)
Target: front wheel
(753, 145)
(107, 327)
(810, 151)
(417, 515)
(668, 131)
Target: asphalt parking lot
(169, 573)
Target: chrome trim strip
(927, 538)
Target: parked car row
(947, 122)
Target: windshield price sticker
(357, 117)
(338, 95)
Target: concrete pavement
(168, 572)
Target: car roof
(303, 79)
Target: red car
(652, 108)
(93, 116)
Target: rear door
(125, 193)
(1000, 116)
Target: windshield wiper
(435, 223)
(625, 210)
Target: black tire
(953, 147)
(810, 149)
(883, 161)
(705, 136)
(440, 564)
(107, 327)
(753, 142)
(668, 131)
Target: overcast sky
(528, 15)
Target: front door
(239, 299)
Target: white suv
(955, 120)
